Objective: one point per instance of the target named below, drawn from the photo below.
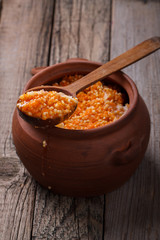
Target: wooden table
(45, 32)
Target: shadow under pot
(84, 162)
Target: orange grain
(98, 105)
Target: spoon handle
(132, 55)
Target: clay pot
(84, 162)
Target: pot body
(84, 162)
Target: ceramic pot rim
(133, 97)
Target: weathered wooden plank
(25, 29)
(60, 217)
(81, 29)
(0, 7)
(133, 212)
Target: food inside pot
(46, 104)
(98, 105)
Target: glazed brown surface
(85, 162)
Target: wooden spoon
(132, 55)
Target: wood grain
(133, 212)
(25, 29)
(0, 8)
(82, 29)
(59, 217)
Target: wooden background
(44, 32)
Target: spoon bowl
(50, 122)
